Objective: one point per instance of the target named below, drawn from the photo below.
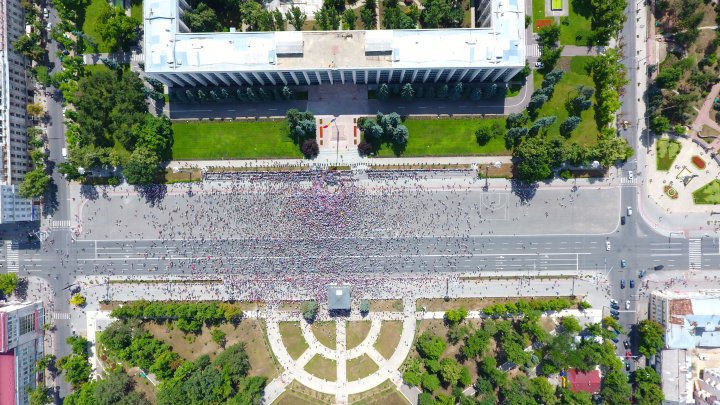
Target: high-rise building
(494, 52)
(21, 345)
(14, 93)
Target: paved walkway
(349, 159)
(574, 50)
(703, 118)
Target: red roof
(587, 382)
(7, 378)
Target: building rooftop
(693, 319)
(338, 297)
(587, 382)
(168, 49)
(676, 377)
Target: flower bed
(698, 162)
(671, 192)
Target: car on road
(607, 245)
(629, 211)
(632, 283)
(627, 366)
(641, 274)
(622, 283)
(622, 220)
(46, 14)
(659, 267)
(627, 304)
(623, 263)
(626, 344)
(614, 305)
(49, 26)
(613, 302)
(539, 65)
(630, 175)
(614, 312)
(628, 355)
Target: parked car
(632, 283)
(626, 344)
(627, 304)
(622, 283)
(659, 267)
(627, 366)
(614, 305)
(46, 14)
(614, 312)
(539, 65)
(622, 220)
(629, 211)
(623, 263)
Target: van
(64, 152)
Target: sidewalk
(330, 160)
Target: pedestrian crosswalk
(61, 315)
(533, 50)
(625, 180)
(137, 57)
(695, 254)
(12, 258)
(61, 224)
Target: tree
(541, 124)
(117, 29)
(40, 395)
(651, 337)
(78, 300)
(476, 344)
(372, 130)
(310, 148)
(570, 324)
(155, 134)
(536, 101)
(569, 125)
(142, 167)
(287, 93)
(296, 17)
(279, 20)
(383, 92)
(349, 18)
(549, 56)
(309, 310)
(8, 283)
(457, 92)
(430, 346)
(430, 382)
(549, 35)
(407, 93)
(202, 19)
(368, 15)
(486, 132)
(327, 18)
(659, 124)
(455, 316)
(35, 110)
(668, 78)
(29, 45)
(615, 388)
(412, 378)
(365, 148)
(441, 14)
(234, 362)
(515, 120)
(218, 336)
(542, 391)
(648, 391)
(450, 371)
(76, 369)
(34, 185)
(607, 19)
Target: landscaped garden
(233, 140)
(667, 150)
(670, 192)
(575, 28)
(708, 194)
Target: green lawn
(586, 133)
(575, 29)
(233, 140)
(360, 367)
(708, 194)
(322, 367)
(293, 339)
(447, 137)
(667, 150)
(90, 25)
(538, 8)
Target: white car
(539, 65)
(49, 26)
(46, 14)
(630, 175)
(613, 301)
(627, 304)
(629, 211)
(607, 245)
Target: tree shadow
(524, 191)
(89, 192)
(153, 194)
(21, 289)
(50, 202)
(582, 7)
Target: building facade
(14, 93)
(21, 345)
(179, 58)
(707, 388)
(14, 159)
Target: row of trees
(608, 73)
(453, 92)
(550, 52)
(37, 181)
(383, 129)
(188, 317)
(302, 129)
(110, 109)
(524, 306)
(242, 94)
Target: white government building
(14, 72)
(177, 57)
